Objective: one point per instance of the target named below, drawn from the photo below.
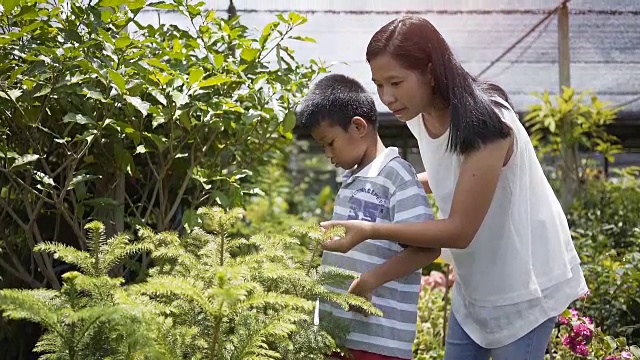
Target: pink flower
(588, 320)
(582, 330)
(437, 279)
(574, 313)
(626, 355)
(581, 350)
(612, 357)
(566, 340)
(563, 320)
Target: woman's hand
(356, 231)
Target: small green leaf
(106, 37)
(136, 4)
(304, 38)
(105, 15)
(249, 54)
(185, 120)
(44, 178)
(140, 150)
(157, 63)
(28, 83)
(157, 120)
(81, 178)
(123, 41)
(267, 31)
(179, 98)
(160, 141)
(218, 60)
(165, 6)
(635, 351)
(211, 15)
(195, 75)
(220, 198)
(24, 159)
(93, 94)
(216, 80)
(118, 80)
(289, 121)
(159, 96)
(296, 18)
(112, 3)
(191, 220)
(9, 5)
(142, 106)
(13, 94)
(77, 118)
(177, 46)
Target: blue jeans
(532, 346)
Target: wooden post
(568, 150)
(231, 10)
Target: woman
(515, 263)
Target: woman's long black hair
(415, 43)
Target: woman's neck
(436, 120)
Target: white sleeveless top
(522, 255)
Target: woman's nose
(387, 96)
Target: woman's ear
(360, 125)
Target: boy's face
(345, 149)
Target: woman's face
(406, 93)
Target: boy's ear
(360, 125)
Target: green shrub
(203, 298)
(429, 343)
(606, 232)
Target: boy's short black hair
(337, 99)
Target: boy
(378, 186)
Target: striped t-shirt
(386, 190)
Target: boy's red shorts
(363, 355)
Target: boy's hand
(361, 287)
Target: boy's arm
(405, 263)
(408, 203)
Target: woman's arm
(477, 182)
(422, 178)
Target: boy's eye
(330, 143)
(396, 83)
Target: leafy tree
(104, 118)
(563, 125)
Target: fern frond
(48, 345)
(96, 237)
(188, 289)
(348, 301)
(118, 248)
(333, 276)
(98, 288)
(18, 304)
(216, 221)
(276, 301)
(70, 255)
